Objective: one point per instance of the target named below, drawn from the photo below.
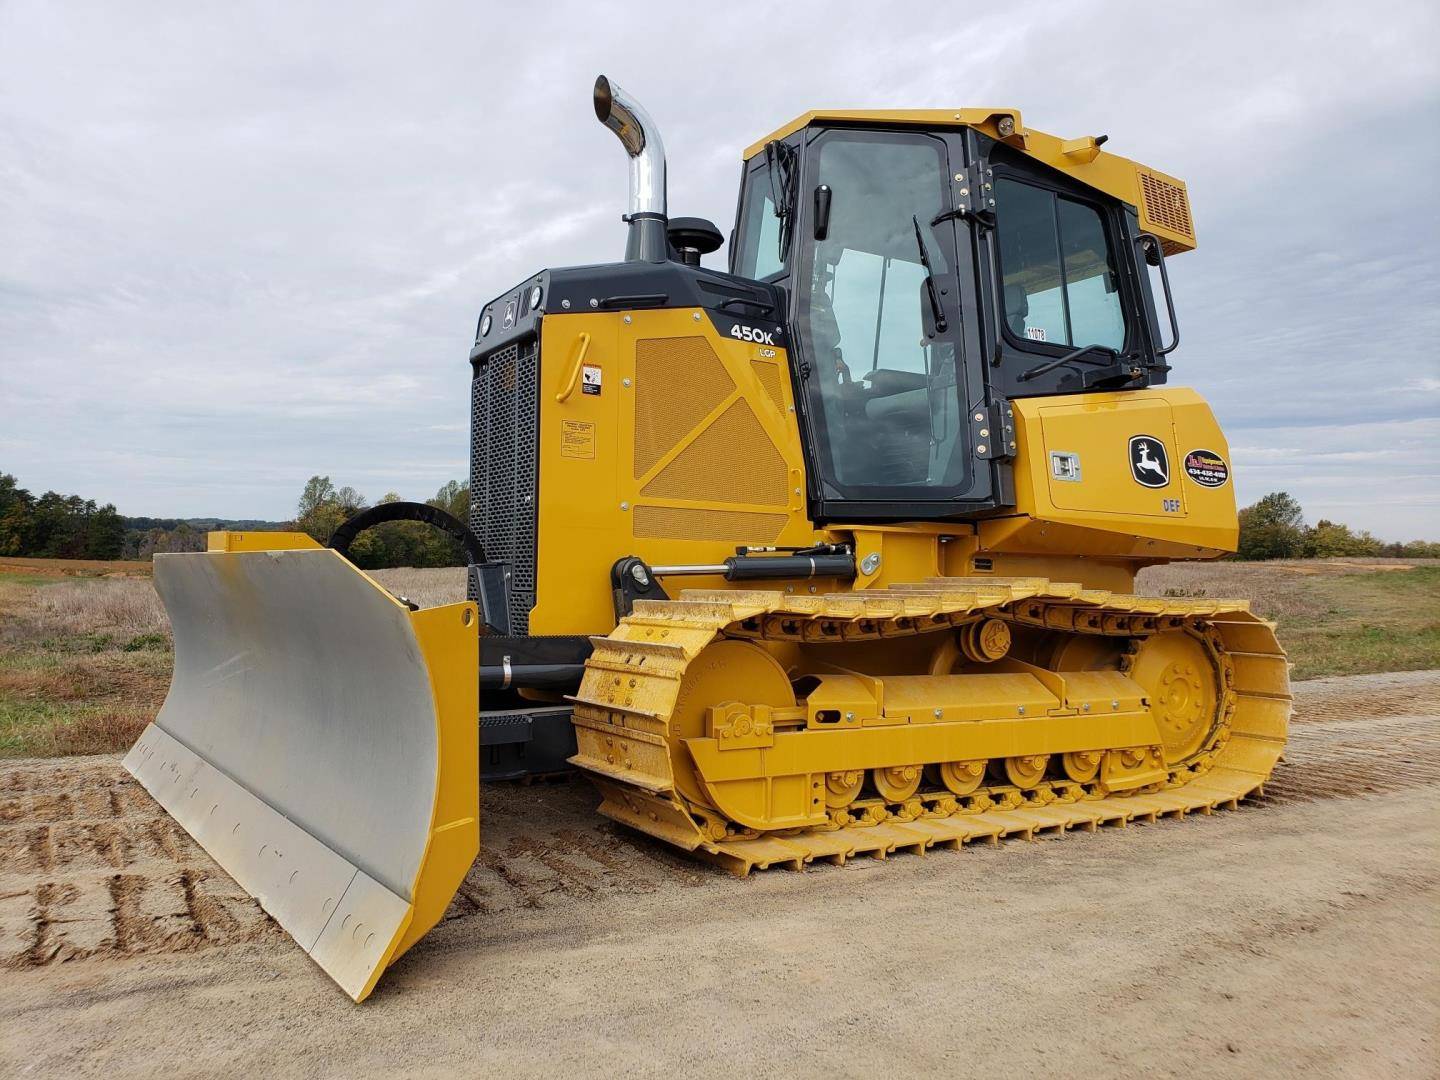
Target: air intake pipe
(623, 115)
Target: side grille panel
(504, 448)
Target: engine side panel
(659, 437)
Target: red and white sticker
(1206, 468)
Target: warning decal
(1206, 468)
(577, 439)
(590, 379)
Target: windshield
(888, 401)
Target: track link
(633, 680)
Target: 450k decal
(751, 333)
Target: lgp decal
(1148, 463)
(1206, 468)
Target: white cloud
(241, 245)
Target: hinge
(975, 194)
(992, 429)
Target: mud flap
(320, 742)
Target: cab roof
(1161, 200)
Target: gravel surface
(1300, 934)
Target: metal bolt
(696, 316)
(565, 304)
(624, 506)
(637, 571)
(1012, 445)
(870, 563)
(964, 191)
(939, 713)
(594, 302)
(1086, 706)
(849, 716)
(959, 176)
(979, 416)
(797, 491)
(1021, 710)
(980, 449)
(627, 320)
(1115, 704)
(624, 382)
(984, 432)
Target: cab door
(888, 396)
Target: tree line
(56, 526)
(1274, 528)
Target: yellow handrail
(575, 371)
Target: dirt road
(1300, 934)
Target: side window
(1058, 273)
(759, 241)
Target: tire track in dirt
(90, 867)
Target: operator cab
(932, 273)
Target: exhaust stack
(623, 115)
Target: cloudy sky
(245, 243)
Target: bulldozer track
(634, 676)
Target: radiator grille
(731, 461)
(678, 381)
(504, 444)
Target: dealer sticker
(1206, 468)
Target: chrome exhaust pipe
(623, 115)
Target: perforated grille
(732, 460)
(504, 444)
(769, 376)
(678, 381)
(678, 523)
(1166, 204)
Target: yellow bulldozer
(827, 556)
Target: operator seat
(1017, 307)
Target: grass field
(85, 652)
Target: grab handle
(575, 371)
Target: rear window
(1060, 284)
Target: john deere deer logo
(1148, 463)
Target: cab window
(758, 254)
(1060, 284)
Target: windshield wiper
(935, 309)
(1035, 372)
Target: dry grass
(1335, 616)
(84, 663)
(427, 587)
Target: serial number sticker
(1035, 333)
(577, 439)
(591, 378)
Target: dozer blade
(320, 741)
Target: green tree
(323, 508)
(1330, 539)
(17, 509)
(1273, 528)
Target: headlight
(485, 324)
(535, 294)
